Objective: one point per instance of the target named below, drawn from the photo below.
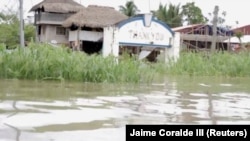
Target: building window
(60, 31)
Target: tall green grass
(44, 62)
(223, 64)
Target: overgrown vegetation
(9, 30)
(43, 62)
(220, 64)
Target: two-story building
(49, 16)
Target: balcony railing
(50, 18)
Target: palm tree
(130, 9)
(171, 15)
(239, 35)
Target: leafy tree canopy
(170, 14)
(130, 9)
(192, 14)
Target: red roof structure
(243, 29)
(187, 28)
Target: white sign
(134, 32)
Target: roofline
(136, 18)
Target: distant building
(243, 29)
(49, 16)
(199, 36)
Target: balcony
(50, 18)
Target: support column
(110, 42)
(115, 45)
(107, 41)
(172, 53)
(78, 39)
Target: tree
(192, 14)
(8, 18)
(29, 32)
(215, 21)
(9, 30)
(221, 19)
(130, 9)
(171, 15)
(239, 35)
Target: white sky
(237, 10)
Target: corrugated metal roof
(176, 29)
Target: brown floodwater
(70, 111)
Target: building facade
(48, 19)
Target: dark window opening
(73, 27)
(60, 31)
(91, 47)
(39, 30)
(86, 28)
(92, 29)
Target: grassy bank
(222, 64)
(43, 62)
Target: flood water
(69, 111)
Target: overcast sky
(237, 10)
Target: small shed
(86, 27)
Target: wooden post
(196, 44)
(229, 44)
(78, 39)
(21, 24)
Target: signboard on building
(144, 30)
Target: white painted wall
(85, 35)
(73, 35)
(110, 42)
(173, 52)
(51, 35)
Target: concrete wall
(172, 54)
(48, 33)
